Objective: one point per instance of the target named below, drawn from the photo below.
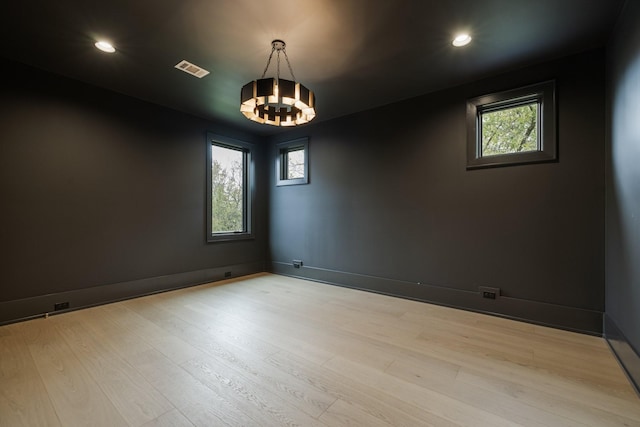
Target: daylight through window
(512, 127)
(295, 163)
(292, 162)
(510, 130)
(229, 192)
(227, 189)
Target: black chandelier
(276, 101)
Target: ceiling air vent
(192, 69)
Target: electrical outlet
(489, 293)
(297, 263)
(61, 306)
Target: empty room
(320, 213)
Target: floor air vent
(192, 69)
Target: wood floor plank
(283, 340)
(191, 396)
(132, 395)
(506, 336)
(307, 400)
(370, 400)
(76, 397)
(556, 404)
(204, 415)
(104, 324)
(433, 375)
(23, 398)
(550, 382)
(171, 346)
(231, 329)
(325, 336)
(383, 329)
(174, 418)
(603, 374)
(475, 341)
(435, 402)
(267, 350)
(253, 399)
(327, 340)
(342, 413)
(503, 406)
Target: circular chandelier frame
(276, 101)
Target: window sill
(229, 237)
(512, 159)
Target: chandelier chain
(273, 49)
(266, 68)
(289, 64)
(278, 70)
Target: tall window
(229, 189)
(512, 127)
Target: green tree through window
(510, 130)
(230, 189)
(227, 190)
(512, 127)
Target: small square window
(292, 162)
(510, 130)
(512, 127)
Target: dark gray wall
(99, 188)
(623, 191)
(389, 198)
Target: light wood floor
(273, 351)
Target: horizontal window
(512, 127)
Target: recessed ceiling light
(105, 46)
(461, 40)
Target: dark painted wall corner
(623, 189)
(98, 188)
(390, 198)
